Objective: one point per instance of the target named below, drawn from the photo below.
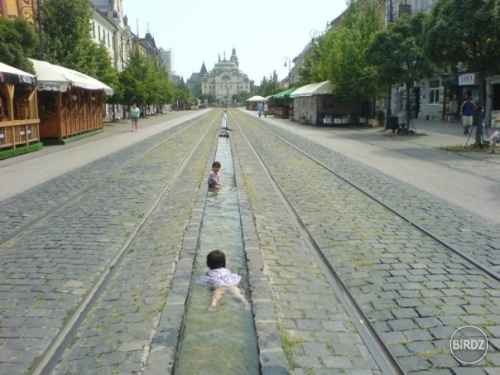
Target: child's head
(216, 165)
(216, 259)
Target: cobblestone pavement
(414, 291)
(49, 269)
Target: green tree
(182, 96)
(17, 42)
(102, 66)
(133, 79)
(310, 71)
(398, 53)
(465, 33)
(342, 53)
(160, 89)
(67, 30)
(270, 86)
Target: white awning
(10, 74)
(256, 98)
(312, 89)
(52, 77)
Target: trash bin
(393, 122)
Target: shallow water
(222, 342)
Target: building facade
(27, 9)
(225, 80)
(109, 24)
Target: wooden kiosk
(18, 109)
(70, 103)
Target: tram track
(486, 268)
(280, 164)
(84, 290)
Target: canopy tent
(256, 98)
(70, 102)
(52, 77)
(9, 74)
(281, 103)
(321, 88)
(18, 109)
(284, 94)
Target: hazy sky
(264, 32)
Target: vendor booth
(282, 104)
(316, 104)
(18, 109)
(252, 102)
(70, 103)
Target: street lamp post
(289, 64)
(389, 91)
(40, 30)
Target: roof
(9, 74)
(52, 77)
(321, 88)
(284, 94)
(256, 98)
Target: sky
(265, 33)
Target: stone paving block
(404, 313)
(338, 362)
(414, 363)
(402, 324)
(467, 371)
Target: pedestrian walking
(221, 279)
(134, 116)
(265, 109)
(467, 113)
(260, 108)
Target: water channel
(224, 341)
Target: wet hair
(216, 164)
(216, 259)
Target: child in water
(214, 177)
(221, 279)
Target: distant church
(225, 80)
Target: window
(434, 92)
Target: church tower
(234, 58)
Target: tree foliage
(101, 66)
(398, 53)
(18, 41)
(67, 30)
(270, 85)
(463, 35)
(465, 32)
(342, 53)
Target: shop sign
(495, 119)
(467, 79)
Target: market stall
(252, 102)
(18, 108)
(282, 103)
(316, 104)
(70, 103)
